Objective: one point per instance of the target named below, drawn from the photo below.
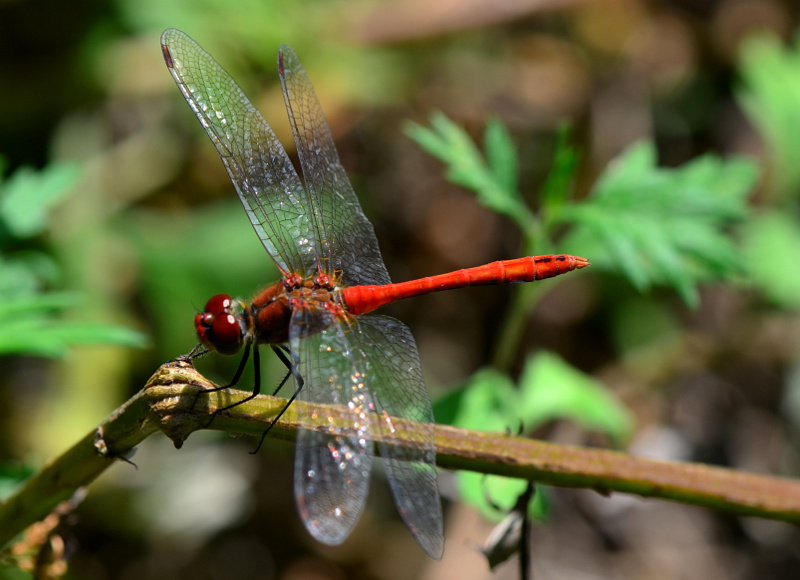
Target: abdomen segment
(362, 299)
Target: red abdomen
(362, 299)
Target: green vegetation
(684, 326)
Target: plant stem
(524, 300)
(166, 404)
(516, 319)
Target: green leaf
(492, 495)
(430, 142)
(552, 389)
(556, 188)
(487, 403)
(42, 336)
(769, 95)
(29, 325)
(12, 474)
(493, 179)
(17, 278)
(28, 195)
(549, 389)
(501, 155)
(38, 305)
(664, 226)
(771, 244)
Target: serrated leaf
(467, 167)
(552, 389)
(428, 140)
(501, 155)
(28, 195)
(665, 226)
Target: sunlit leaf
(28, 195)
(770, 94)
(556, 188)
(488, 403)
(771, 244)
(549, 389)
(552, 389)
(664, 226)
(40, 336)
(493, 179)
(492, 495)
(501, 155)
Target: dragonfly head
(219, 328)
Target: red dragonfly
(364, 367)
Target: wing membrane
(332, 464)
(347, 241)
(263, 175)
(399, 391)
(369, 369)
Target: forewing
(332, 462)
(345, 237)
(398, 390)
(261, 172)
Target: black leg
(236, 377)
(292, 366)
(233, 381)
(289, 361)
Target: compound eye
(218, 304)
(226, 334)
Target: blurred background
(128, 223)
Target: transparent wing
(261, 172)
(369, 369)
(398, 390)
(346, 238)
(332, 464)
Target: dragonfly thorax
(312, 304)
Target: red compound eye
(226, 334)
(218, 304)
(217, 328)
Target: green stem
(524, 300)
(166, 404)
(516, 319)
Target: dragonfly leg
(292, 366)
(198, 351)
(237, 375)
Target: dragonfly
(363, 368)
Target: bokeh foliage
(683, 325)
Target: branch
(166, 404)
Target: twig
(165, 404)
